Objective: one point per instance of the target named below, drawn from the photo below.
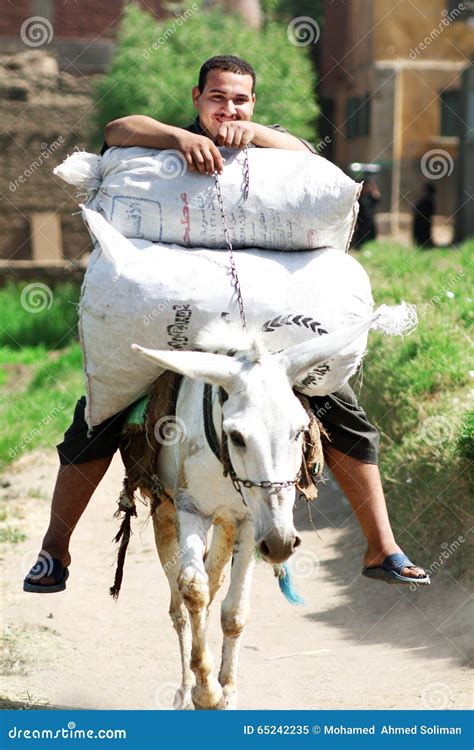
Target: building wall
(401, 27)
(83, 30)
(39, 131)
(405, 54)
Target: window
(460, 11)
(450, 105)
(358, 116)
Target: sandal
(391, 568)
(55, 569)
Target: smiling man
(224, 99)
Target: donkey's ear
(217, 369)
(300, 359)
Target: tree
(249, 9)
(156, 65)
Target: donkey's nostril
(297, 542)
(264, 549)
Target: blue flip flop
(391, 568)
(55, 569)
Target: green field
(416, 389)
(40, 372)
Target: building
(390, 90)
(50, 51)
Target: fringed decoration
(396, 320)
(312, 464)
(128, 508)
(285, 582)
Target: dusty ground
(355, 644)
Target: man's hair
(226, 62)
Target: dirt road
(355, 644)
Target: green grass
(418, 390)
(37, 398)
(37, 315)
(11, 535)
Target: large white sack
(161, 296)
(296, 200)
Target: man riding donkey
(224, 99)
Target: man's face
(226, 96)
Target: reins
(220, 449)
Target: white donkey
(264, 424)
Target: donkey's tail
(282, 571)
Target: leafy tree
(157, 63)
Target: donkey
(254, 410)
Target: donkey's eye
(237, 439)
(299, 434)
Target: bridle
(221, 450)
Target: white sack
(296, 201)
(161, 296)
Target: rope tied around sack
(233, 267)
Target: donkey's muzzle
(277, 549)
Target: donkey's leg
(164, 525)
(235, 608)
(194, 588)
(218, 557)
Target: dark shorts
(342, 417)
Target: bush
(158, 81)
(35, 315)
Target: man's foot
(48, 575)
(394, 568)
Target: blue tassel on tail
(286, 584)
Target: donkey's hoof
(183, 700)
(230, 695)
(209, 697)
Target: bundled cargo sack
(161, 297)
(295, 200)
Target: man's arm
(271, 138)
(200, 152)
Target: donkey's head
(263, 421)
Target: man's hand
(201, 154)
(235, 133)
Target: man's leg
(84, 460)
(352, 457)
(362, 486)
(75, 485)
